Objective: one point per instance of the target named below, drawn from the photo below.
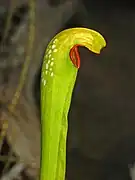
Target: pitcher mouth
(75, 56)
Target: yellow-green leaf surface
(57, 83)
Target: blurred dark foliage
(55, 3)
(17, 18)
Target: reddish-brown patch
(74, 56)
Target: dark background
(101, 137)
